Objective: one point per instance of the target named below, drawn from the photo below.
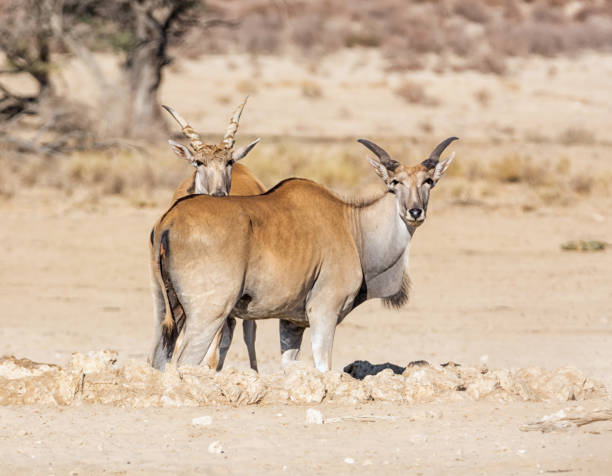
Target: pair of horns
(391, 164)
(194, 138)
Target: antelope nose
(415, 213)
(218, 193)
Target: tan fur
(244, 182)
(216, 166)
(297, 252)
(295, 206)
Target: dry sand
(489, 283)
(486, 282)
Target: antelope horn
(384, 157)
(228, 138)
(196, 142)
(431, 161)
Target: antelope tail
(169, 328)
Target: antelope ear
(243, 151)
(442, 166)
(181, 151)
(380, 170)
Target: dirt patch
(97, 378)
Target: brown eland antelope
(297, 251)
(215, 168)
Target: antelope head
(213, 162)
(411, 185)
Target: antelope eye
(199, 162)
(428, 181)
(230, 162)
(394, 182)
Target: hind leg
(211, 359)
(204, 320)
(290, 341)
(227, 335)
(196, 341)
(249, 329)
(159, 354)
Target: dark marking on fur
(199, 195)
(177, 201)
(290, 335)
(243, 303)
(362, 295)
(283, 182)
(401, 297)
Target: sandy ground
(489, 284)
(353, 92)
(485, 283)
(356, 95)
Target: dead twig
(360, 418)
(561, 421)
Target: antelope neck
(382, 239)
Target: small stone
(349, 460)
(215, 448)
(314, 417)
(202, 421)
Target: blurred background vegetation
(107, 143)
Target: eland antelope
(216, 168)
(298, 252)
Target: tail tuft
(169, 333)
(169, 328)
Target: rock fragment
(204, 420)
(215, 448)
(314, 417)
(97, 378)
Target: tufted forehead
(407, 173)
(211, 152)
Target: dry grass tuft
(577, 136)
(483, 96)
(414, 93)
(311, 89)
(536, 137)
(582, 183)
(472, 10)
(224, 99)
(478, 177)
(246, 86)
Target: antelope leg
(249, 329)
(227, 334)
(290, 341)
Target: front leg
(290, 341)
(322, 330)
